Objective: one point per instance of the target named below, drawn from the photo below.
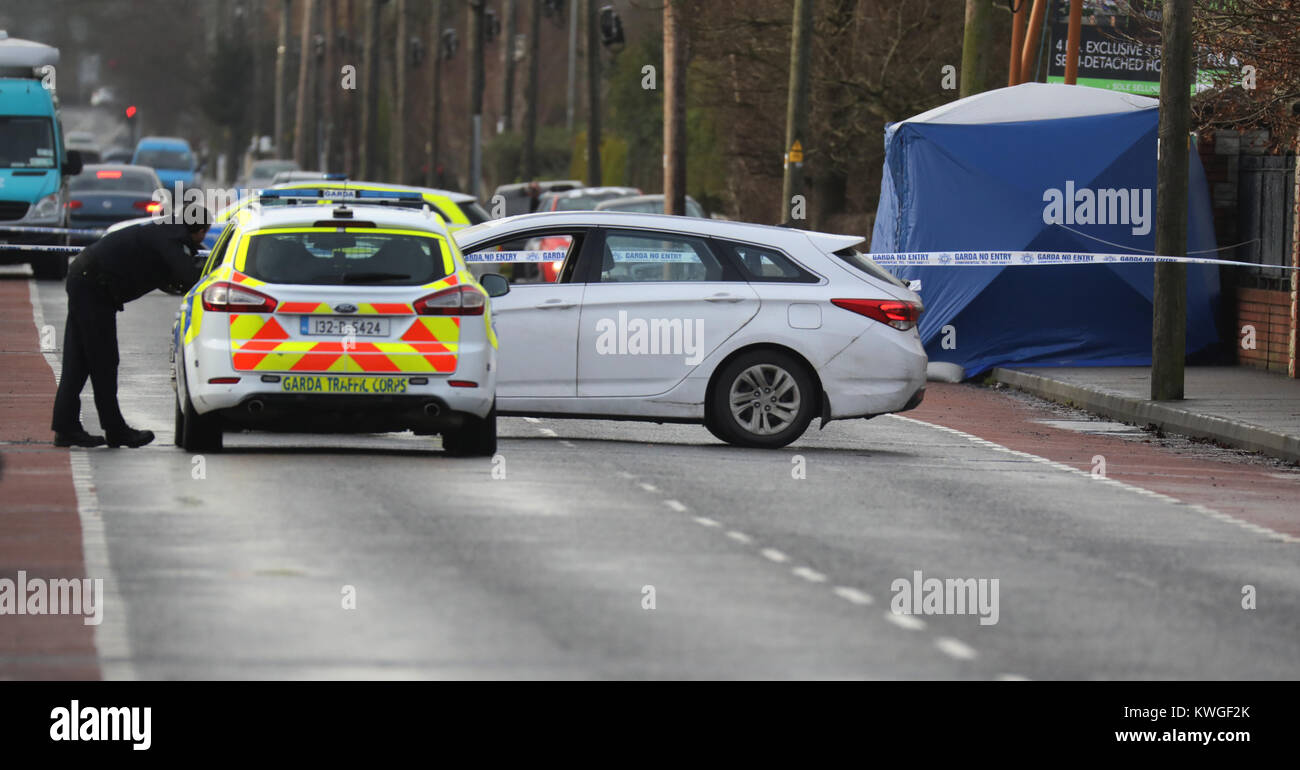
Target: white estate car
(749, 329)
(336, 319)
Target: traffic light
(611, 26)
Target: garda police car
(336, 319)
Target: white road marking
(853, 595)
(647, 487)
(1197, 507)
(533, 420)
(676, 506)
(905, 621)
(1011, 678)
(567, 444)
(548, 432)
(706, 522)
(740, 537)
(955, 648)
(775, 555)
(112, 641)
(809, 574)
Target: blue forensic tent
(975, 175)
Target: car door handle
(555, 304)
(722, 297)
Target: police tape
(553, 255)
(1038, 258)
(897, 259)
(51, 230)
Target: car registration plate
(298, 383)
(343, 326)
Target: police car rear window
(347, 258)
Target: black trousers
(89, 352)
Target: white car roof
(782, 237)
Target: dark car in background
(648, 204)
(104, 194)
(583, 198)
(515, 196)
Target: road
(541, 562)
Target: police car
(345, 318)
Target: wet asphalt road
(542, 563)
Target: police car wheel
(476, 438)
(196, 432)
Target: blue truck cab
(34, 163)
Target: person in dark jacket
(120, 267)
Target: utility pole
(534, 76)
(593, 95)
(328, 82)
(674, 110)
(475, 95)
(369, 92)
(796, 112)
(435, 102)
(304, 84)
(281, 53)
(397, 131)
(975, 47)
(573, 66)
(508, 66)
(1169, 306)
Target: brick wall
(1268, 312)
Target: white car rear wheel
(763, 399)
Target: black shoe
(130, 437)
(80, 438)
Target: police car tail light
(225, 297)
(460, 300)
(896, 313)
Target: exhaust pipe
(255, 407)
(432, 410)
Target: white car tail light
(892, 312)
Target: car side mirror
(495, 284)
(73, 164)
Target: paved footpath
(1257, 493)
(40, 529)
(1235, 406)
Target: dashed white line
(1011, 678)
(740, 537)
(533, 420)
(809, 574)
(676, 506)
(905, 621)
(567, 445)
(853, 595)
(705, 521)
(548, 432)
(954, 648)
(774, 555)
(647, 487)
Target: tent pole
(1031, 38)
(1017, 40)
(1072, 42)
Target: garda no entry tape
(1014, 258)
